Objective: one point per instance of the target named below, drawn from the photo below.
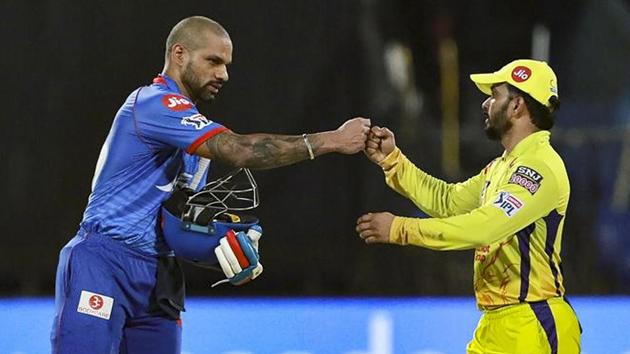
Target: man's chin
(208, 97)
(492, 133)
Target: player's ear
(519, 105)
(178, 53)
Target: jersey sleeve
(172, 120)
(435, 197)
(511, 207)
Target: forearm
(447, 234)
(265, 151)
(432, 195)
(483, 226)
(509, 210)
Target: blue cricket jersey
(147, 153)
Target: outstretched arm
(265, 151)
(510, 210)
(434, 196)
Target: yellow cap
(531, 76)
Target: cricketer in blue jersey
(112, 275)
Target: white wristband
(308, 146)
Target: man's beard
(197, 90)
(499, 125)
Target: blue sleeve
(164, 118)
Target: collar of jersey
(163, 79)
(531, 140)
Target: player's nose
(485, 105)
(222, 74)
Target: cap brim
(485, 81)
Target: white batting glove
(238, 257)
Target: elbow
(463, 239)
(480, 242)
(237, 162)
(244, 161)
(488, 235)
(234, 157)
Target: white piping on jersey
(102, 157)
(201, 169)
(167, 187)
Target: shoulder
(546, 158)
(534, 171)
(158, 99)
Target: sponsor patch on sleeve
(196, 120)
(527, 178)
(508, 203)
(96, 305)
(176, 103)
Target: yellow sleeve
(432, 195)
(510, 208)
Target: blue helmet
(194, 222)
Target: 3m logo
(96, 305)
(521, 73)
(176, 103)
(96, 302)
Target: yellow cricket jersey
(511, 213)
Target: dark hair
(188, 30)
(542, 116)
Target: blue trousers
(102, 301)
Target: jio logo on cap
(521, 73)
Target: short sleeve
(170, 119)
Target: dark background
(307, 66)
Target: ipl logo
(508, 203)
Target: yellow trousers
(546, 327)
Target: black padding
(176, 203)
(170, 290)
(205, 217)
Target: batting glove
(238, 257)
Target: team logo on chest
(527, 178)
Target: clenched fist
(350, 137)
(380, 143)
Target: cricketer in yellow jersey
(512, 214)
